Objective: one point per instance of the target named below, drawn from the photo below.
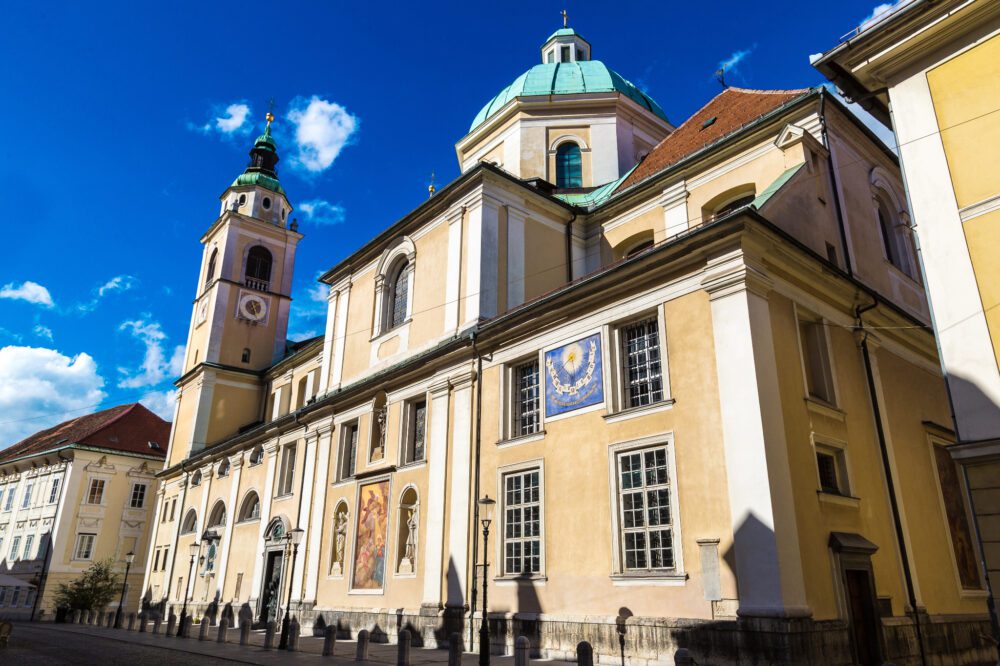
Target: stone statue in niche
(381, 419)
(341, 544)
(408, 563)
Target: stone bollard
(683, 657)
(131, 621)
(455, 649)
(88, 617)
(75, 617)
(203, 631)
(171, 623)
(245, 632)
(329, 640)
(584, 654)
(109, 620)
(403, 648)
(142, 622)
(362, 653)
(157, 621)
(223, 627)
(521, 648)
(269, 635)
(293, 635)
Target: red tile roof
(127, 428)
(732, 109)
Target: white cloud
(161, 403)
(322, 129)
(304, 335)
(234, 119)
(41, 387)
(319, 293)
(43, 332)
(322, 212)
(117, 283)
(156, 367)
(877, 13)
(29, 291)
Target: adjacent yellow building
(931, 71)
(709, 412)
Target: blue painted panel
(574, 377)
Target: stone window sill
(836, 498)
(518, 581)
(634, 412)
(522, 439)
(825, 409)
(673, 579)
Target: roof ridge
(772, 91)
(129, 407)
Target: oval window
(267, 203)
(243, 199)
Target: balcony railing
(254, 283)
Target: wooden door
(864, 621)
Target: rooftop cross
(270, 115)
(565, 18)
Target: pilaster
(235, 472)
(460, 490)
(452, 283)
(437, 460)
(314, 532)
(674, 203)
(271, 452)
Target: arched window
(196, 478)
(210, 273)
(638, 249)
(734, 205)
(190, 523)
(223, 468)
(569, 166)
(894, 242)
(250, 509)
(257, 455)
(399, 288)
(258, 273)
(218, 516)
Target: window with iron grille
(522, 523)
(826, 464)
(645, 525)
(641, 363)
(138, 499)
(96, 492)
(526, 399)
(416, 432)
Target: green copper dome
(567, 78)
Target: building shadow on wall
(506, 624)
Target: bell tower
(240, 313)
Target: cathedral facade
(673, 368)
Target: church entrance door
(270, 594)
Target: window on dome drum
(816, 360)
(646, 526)
(416, 431)
(210, 273)
(564, 54)
(258, 271)
(569, 166)
(190, 523)
(522, 523)
(250, 510)
(138, 498)
(641, 367)
(96, 493)
(526, 402)
(398, 295)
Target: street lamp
(486, 506)
(194, 548)
(121, 602)
(295, 538)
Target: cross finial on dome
(565, 17)
(269, 117)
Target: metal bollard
(584, 654)
(293, 635)
(455, 649)
(329, 640)
(223, 627)
(269, 635)
(362, 653)
(521, 648)
(403, 648)
(245, 632)
(131, 621)
(683, 657)
(203, 631)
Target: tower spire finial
(269, 117)
(430, 188)
(565, 17)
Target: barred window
(522, 524)
(526, 399)
(641, 360)
(646, 527)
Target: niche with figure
(406, 557)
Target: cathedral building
(674, 359)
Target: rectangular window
(180, 587)
(641, 370)
(26, 500)
(349, 450)
(645, 523)
(15, 548)
(96, 492)
(156, 560)
(15, 597)
(3, 595)
(29, 598)
(826, 463)
(84, 546)
(287, 471)
(816, 359)
(138, 498)
(166, 511)
(173, 508)
(522, 523)
(166, 556)
(10, 500)
(54, 491)
(29, 542)
(239, 584)
(526, 407)
(416, 431)
(564, 54)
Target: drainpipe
(834, 186)
(475, 499)
(887, 470)
(569, 250)
(177, 534)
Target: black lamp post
(486, 517)
(295, 538)
(193, 549)
(121, 602)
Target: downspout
(887, 470)
(569, 249)
(48, 548)
(834, 186)
(177, 535)
(475, 491)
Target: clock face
(574, 376)
(253, 307)
(203, 310)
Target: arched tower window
(210, 273)
(250, 509)
(398, 294)
(569, 166)
(258, 273)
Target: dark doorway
(271, 591)
(863, 616)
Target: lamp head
(129, 557)
(194, 548)
(296, 536)
(486, 506)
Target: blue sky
(126, 121)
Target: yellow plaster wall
(544, 259)
(232, 407)
(982, 234)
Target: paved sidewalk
(310, 648)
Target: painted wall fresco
(370, 543)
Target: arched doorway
(274, 569)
